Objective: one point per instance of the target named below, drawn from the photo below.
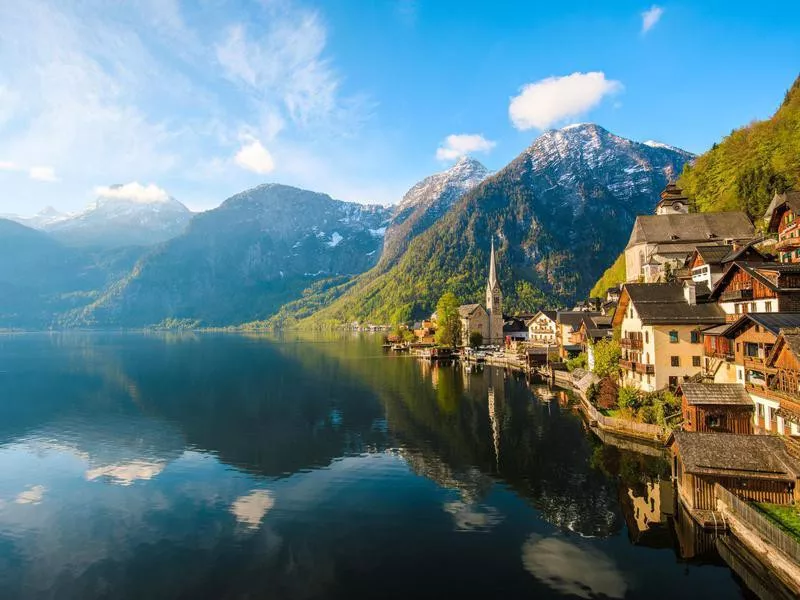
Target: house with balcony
(543, 329)
(782, 217)
(775, 390)
(707, 264)
(661, 328)
(762, 287)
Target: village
(697, 353)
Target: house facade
(473, 319)
(758, 288)
(720, 407)
(782, 216)
(661, 334)
(542, 328)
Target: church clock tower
(494, 303)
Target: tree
(606, 358)
(449, 331)
(475, 339)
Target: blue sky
(204, 98)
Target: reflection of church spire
(495, 427)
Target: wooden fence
(763, 525)
(624, 425)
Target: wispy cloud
(457, 145)
(549, 101)
(650, 17)
(47, 174)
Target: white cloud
(7, 165)
(457, 145)
(254, 157)
(47, 174)
(543, 103)
(650, 17)
(32, 495)
(134, 191)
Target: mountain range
(559, 213)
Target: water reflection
(227, 466)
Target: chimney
(690, 293)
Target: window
(675, 361)
(646, 337)
(695, 337)
(695, 361)
(768, 306)
(673, 337)
(758, 329)
(753, 307)
(737, 308)
(714, 421)
(738, 345)
(630, 313)
(673, 382)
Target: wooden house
(781, 393)
(707, 264)
(782, 215)
(764, 287)
(722, 407)
(753, 467)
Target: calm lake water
(223, 466)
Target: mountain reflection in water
(214, 466)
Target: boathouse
(721, 407)
(753, 467)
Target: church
(486, 321)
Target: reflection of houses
(542, 328)
(722, 407)
(660, 333)
(753, 467)
(647, 515)
(658, 240)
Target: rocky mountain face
(112, 222)
(242, 260)
(559, 214)
(428, 201)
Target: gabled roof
(759, 271)
(465, 310)
(738, 253)
(780, 201)
(711, 453)
(550, 314)
(716, 394)
(574, 318)
(691, 227)
(786, 337)
(772, 322)
(713, 255)
(665, 304)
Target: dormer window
(711, 236)
(673, 237)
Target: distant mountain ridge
(560, 212)
(113, 222)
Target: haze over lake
(216, 466)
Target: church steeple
(494, 301)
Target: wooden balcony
(631, 343)
(757, 364)
(637, 367)
(734, 295)
(788, 243)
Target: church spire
(492, 269)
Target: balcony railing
(637, 367)
(733, 295)
(788, 243)
(631, 343)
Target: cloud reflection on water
(251, 508)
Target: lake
(232, 466)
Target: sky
(201, 99)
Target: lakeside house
(753, 467)
(543, 328)
(660, 326)
(720, 407)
